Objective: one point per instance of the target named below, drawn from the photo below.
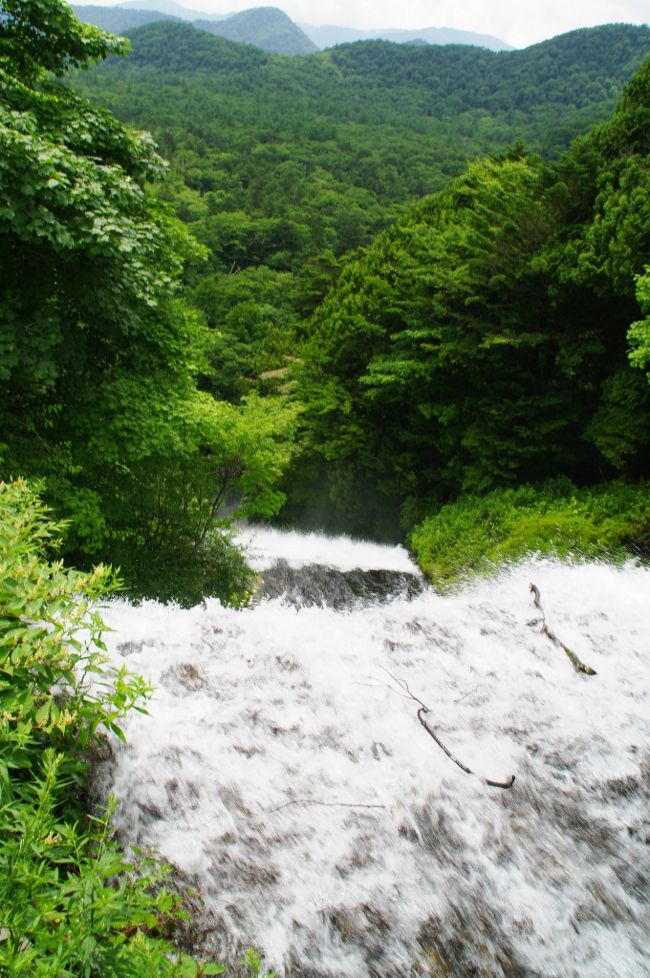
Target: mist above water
(284, 772)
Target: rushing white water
(286, 775)
(265, 545)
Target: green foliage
(640, 330)
(100, 359)
(167, 533)
(483, 339)
(48, 662)
(252, 330)
(476, 534)
(253, 961)
(70, 902)
(620, 427)
(39, 36)
(282, 163)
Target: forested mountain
(358, 129)
(485, 339)
(544, 94)
(267, 28)
(282, 165)
(330, 35)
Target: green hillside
(391, 121)
(266, 27)
(492, 338)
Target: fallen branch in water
(545, 630)
(421, 713)
(327, 804)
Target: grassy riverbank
(477, 533)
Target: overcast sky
(519, 22)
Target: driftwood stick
(315, 801)
(404, 686)
(494, 784)
(423, 709)
(440, 744)
(577, 664)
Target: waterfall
(284, 773)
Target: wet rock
(187, 675)
(316, 585)
(365, 927)
(461, 947)
(129, 648)
(621, 788)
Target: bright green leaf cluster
(71, 904)
(99, 358)
(477, 534)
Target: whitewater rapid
(284, 773)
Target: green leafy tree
(100, 358)
(483, 340)
(640, 330)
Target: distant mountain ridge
(269, 28)
(169, 7)
(329, 36)
(117, 20)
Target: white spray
(285, 773)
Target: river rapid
(284, 772)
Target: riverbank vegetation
(70, 903)
(477, 534)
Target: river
(286, 774)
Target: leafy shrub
(184, 574)
(70, 903)
(475, 533)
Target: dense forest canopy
(487, 335)
(487, 338)
(281, 166)
(100, 354)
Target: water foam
(285, 773)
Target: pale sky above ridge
(518, 22)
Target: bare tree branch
(420, 715)
(545, 630)
(327, 804)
